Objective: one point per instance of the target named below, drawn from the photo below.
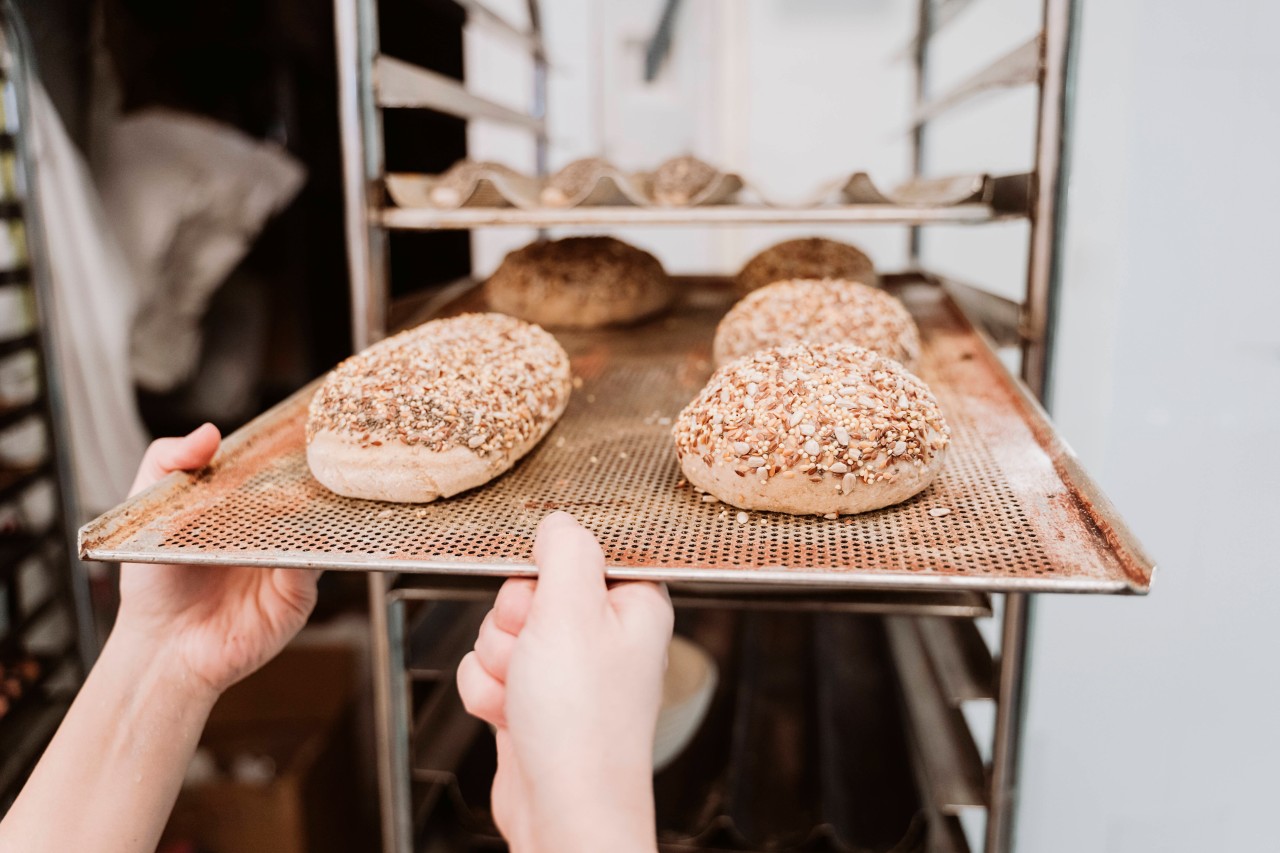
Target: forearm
(110, 777)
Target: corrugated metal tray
(1023, 515)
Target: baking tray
(1023, 515)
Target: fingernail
(197, 429)
(560, 518)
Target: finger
(511, 607)
(482, 695)
(644, 607)
(570, 565)
(494, 647)
(166, 455)
(297, 587)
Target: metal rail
(423, 219)
(404, 85)
(1018, 67)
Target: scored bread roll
(579, 282)
(573, 180)
(456, 182)
(830, 311)
(678, 181)
(815, 429)
(807, 257)
(437, 409)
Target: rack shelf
(417, 219)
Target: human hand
(215, 624)
(569, 671)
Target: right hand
(569, 671)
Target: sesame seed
(939, 511)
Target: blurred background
(191, 204)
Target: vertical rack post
(1048, 191)
(360, 122)
(539, 111)
(920, 57)
(1044, 273)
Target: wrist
(620, 817)
(149, 663)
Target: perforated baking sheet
(1022, 515)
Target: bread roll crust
(579, 282)
(812, 429)
(828, 311)
(807, 257)
(436, 410)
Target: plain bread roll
(436, 410)
(579, 282)
(815, 429)
(807, 257)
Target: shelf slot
(13, 414)
(959, 657)
(21, 342)
(1018, 67)
(952, 767)
(14, 480)
(403, 85)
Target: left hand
(217, 623)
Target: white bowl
(687, 688)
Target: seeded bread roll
(808, 257)
(579, 282)
(831, 311)
(436, 410)
(815, 429)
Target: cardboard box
(297, 712)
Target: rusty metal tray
(1023, 515)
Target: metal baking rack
(46, 635)
(939, 665)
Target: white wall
(1153, 723)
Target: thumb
(166, 455)
(570, 565)
(644, 608)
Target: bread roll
(573, 181)
(812, 429)
(459, 179)
(678, 181)
(830, 311)
(436, 410)
(579, 282)
(808, 257)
